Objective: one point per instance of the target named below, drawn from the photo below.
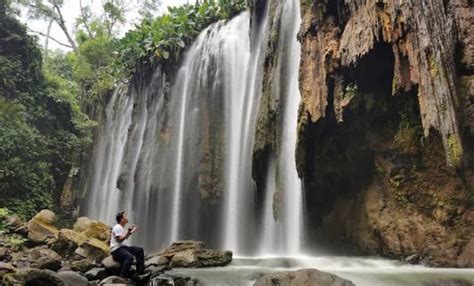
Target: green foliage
(14, 241)
(351, 90)
(4, 212)
(9, 109)
(165, 38)
(91, 66)
(42, 129)
(25, 177)
(409, 131)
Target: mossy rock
(32, 276)
(92, 228)
(455, 150)
(186, 259)
(46, 216)
(98, 230)
(68, 241)
(82, 224)
(41, 232)
(93, 249)
(214, 258)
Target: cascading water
(177, 156)
(242, 98)
(283, 206)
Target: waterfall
(242, 97)
(283, 205)
(175, 152)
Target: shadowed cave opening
(340, 157)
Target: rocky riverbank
(38, 252)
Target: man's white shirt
(117, 231)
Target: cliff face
(386, 125)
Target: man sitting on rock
(123, 253)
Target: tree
(113, 15)
(42, 129)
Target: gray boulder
(44, 258)
(110, 263)
(183, 245)
(71, 278)
(157, 260)
(187, 258)
(96, 274)
(190, 253)
(167, 279)
(303, 277)
(82, 265)
(115, 280)
(214, 258)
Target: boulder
(71, 278)
(187, 258)
(41, 228)
(82, 223)
(6, 268)
(116, 280)
(92, 228)
(82, 265)
(67, 242)
(168, 279)
(304, 277)
(157, 260)
(96, 274)
(93, 249)
(110, 263)
(98, 230)
(190, 253)
(466, 258)
(214, 258)
(180, 246)
(46, 216)
(157, 270)
(44, 258)
(32, 276)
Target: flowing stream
(362, 271)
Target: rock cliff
(385, 131)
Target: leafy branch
(165, 38)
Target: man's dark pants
(125, 254)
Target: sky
(71, 12)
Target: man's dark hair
(119, 216)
